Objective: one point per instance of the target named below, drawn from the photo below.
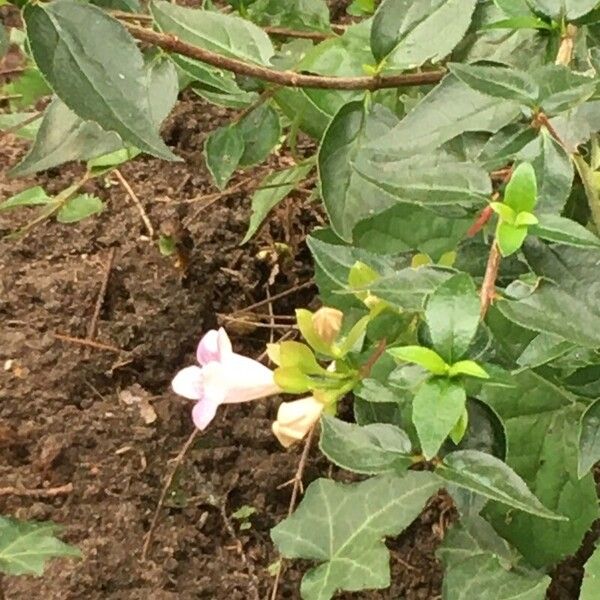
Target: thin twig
(136, 201)
(292, 290)
(90, 343)
(295, 491)
(37, 493)
(9, 72)
(178, 460)
(93, 325)
(8, 97)
(172, 43)
(488, 287)
(257, 324)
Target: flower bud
(294, 420)
(327, 323)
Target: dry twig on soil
(52, 492)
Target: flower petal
(294, 419)
(224, 345)
(208, 348)
(247, 379)
(203, 413)
(189, 383)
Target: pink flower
(294, 420)
(224, 377)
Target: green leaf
(272, 190)
(589, 439)
(510, 238)
(521, 191)
(452, 314)
(469, 368)
(30, 86)
(300, 15)
(32, 196)
(541, 428)
(564, 231)
(63, 136)
(471, 111)
(591, 577)
(12, 120)
(405, 32)
(525, 219)
(342, 526)
(561, 89)
(227, 35)
(499, 82)
(489, 476)
(437, 406)
(223, 150)
(424, 357)
(4, 41)
(370, 450)
(113, 92)
(260, 131)
(78, 208)
(570, 9)
(26, 546)
(505, 212)
(544, 348)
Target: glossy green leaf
(424, 357)
(370, 449)
(505, 145)
(564, 231)
(489, 476)
(510, 238)
(591, 577)
(342, 527)
(437, 406)
(227, 35)
(499, 82)
(223, 150)
(78, 208)
(25, 546)
(66, 38)
(504, 211)
(525, 219)
(541, 428)
(544, 348)
(561, 89)
(405, 32)
(521, 191)
(32, 196)
(260, 131)
(452, 314)
(272, 190)
(300, 15)
(589, 439)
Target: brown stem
(488, 287)
(365, 370)
(171, 43)
(37, 493)
(90, 343)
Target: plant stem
(488, 287)
(171, 43)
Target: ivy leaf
(223, 150)
(564, 231)
(63, 136)
(26, 546)
(437, 406)
(113, 92)
(272, 190)
(591, 577)
(370, 449)
(499, 82)
(589, 438)
(541, 428)
(78, 208)
(489, 476)
(227, 35)
(452, 314)
(342, 526)
(404, 32)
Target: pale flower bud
(327, 323)
(294, 420)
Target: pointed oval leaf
(437, 406)
(370, 449)
(424, 357)
(452, 314)
(222, 151)
(564, 231)
(510, 238)
(468, 367)
(487, 475)
(78, 208)
(521, 191)
(66, 38)
(32, 196)
(589, 438)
